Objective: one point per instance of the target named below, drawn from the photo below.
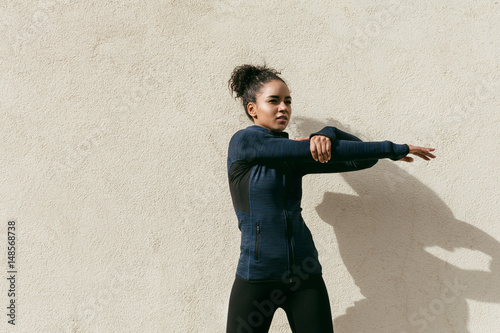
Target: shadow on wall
(383, 233)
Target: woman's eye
(288, 102)
(272, 101)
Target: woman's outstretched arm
(338, 151)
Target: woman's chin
(281, 126)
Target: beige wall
(115, 120)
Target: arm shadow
(383, 234)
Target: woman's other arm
(251, 145)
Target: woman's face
(272, 108)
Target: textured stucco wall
(115, 120)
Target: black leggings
(252, 305)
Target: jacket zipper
(257, 242)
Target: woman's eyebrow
(276, 96)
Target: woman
(278, 265)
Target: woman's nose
(283, 107)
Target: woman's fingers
(431, 155)
(422, 152)
(329, 149)
(323, 151)
(426, 154)
(321, 148)
(314, 153)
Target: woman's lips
(282, 119)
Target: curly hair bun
(245, 76)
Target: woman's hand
(422, 152)
(321, 147)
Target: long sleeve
(251, 145)
(349, 153)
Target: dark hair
(246, 81)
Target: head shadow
(384, 233)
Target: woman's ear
(251, 109)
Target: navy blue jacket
(265, 171)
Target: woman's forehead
(275, 88)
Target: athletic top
(265, 171)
